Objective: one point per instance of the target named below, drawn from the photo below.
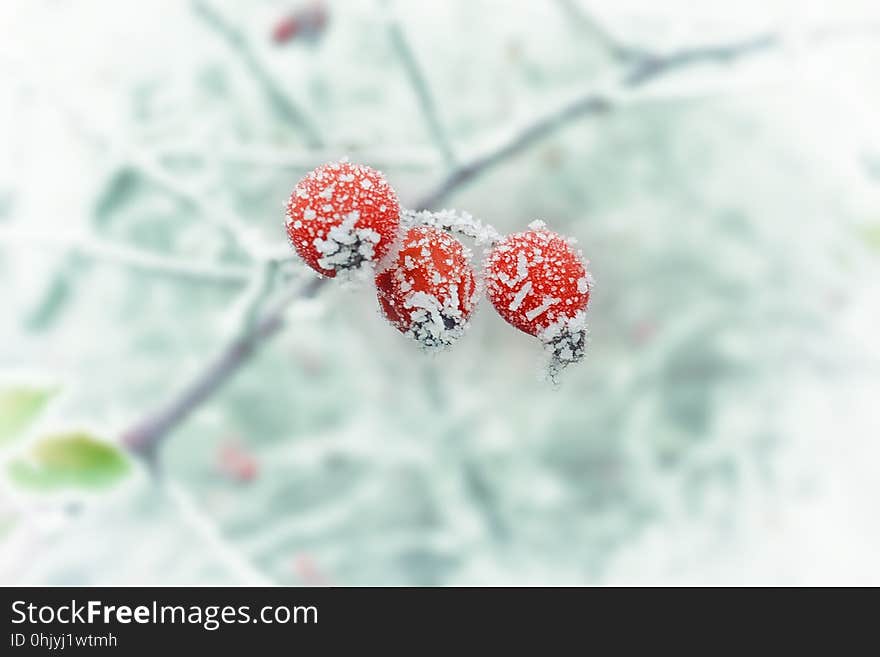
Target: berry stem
(461, 223)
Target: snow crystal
(346, 247)
(520, 296)
(546, 304)
(462, 223)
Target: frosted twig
(412, 159)
(145, 436)
(152, 263)
(654, 65)
(202, 525)
(462, 223)
(286, 109)
(596, 31)
(529, 134)
(644, 70)
(257, 294)
(422, 90)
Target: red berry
(341, 215)
(539, 284)
(428, 290)
(285, 29)
(237, 463)
(307, 22)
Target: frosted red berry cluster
(342, 216)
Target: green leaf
(73, 460)
(871, 236)
(19, 406)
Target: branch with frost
(207, 531)
(144, 436)
(451, 221)
(96, 248)
(639, 72)
(422, 90)
(280, 101)
(399, 159)
(587, 24)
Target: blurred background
(719, 164)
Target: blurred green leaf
(73, 460)
(871, 236)
(19, 406)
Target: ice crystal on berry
(462, 223)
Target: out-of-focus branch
(152, 263)
(282, 104)
(652, 66)
(143, 162)
(585, 22)
(422, 91)
(201, 524)
(640, 72)
(399, 159)
(519, 141)
(144, 437)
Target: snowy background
(722, 429)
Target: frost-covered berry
(341, 215)
(539, 283)
(428, 290)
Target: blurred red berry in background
(307, 22)
(236, 463)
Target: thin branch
(198, 202)
(202, 525)
(654, 66)
(588, 104)
(145, 437)
(268, 156)
(422, 90)
(519, 141)
(143, 162)
(126, 256)
(585, 22)
(286, 109)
